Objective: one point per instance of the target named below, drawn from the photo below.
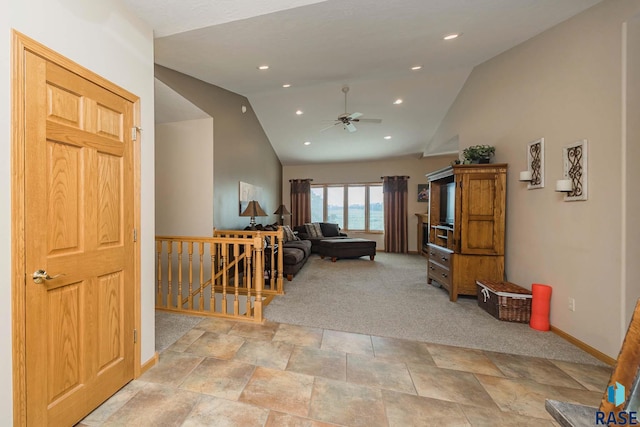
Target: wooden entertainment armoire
(466, 226)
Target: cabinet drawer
(439, 274)
(440, 256)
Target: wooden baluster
(214, 270)
(218, 253)
(225, 276)
(201, 296)
(179, 299)
(214, 249)
(248, 249)
(280, 265)
(272, 265)
(236, 281)
(159, 298)
(190, 297)
(169, 272)
(258, 280)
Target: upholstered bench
(346, 248)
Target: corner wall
(365, 172)
(184, 178)
(242, 151)
(564, 85)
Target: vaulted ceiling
(318, 47)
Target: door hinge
(135, 336)
(135, 234)
(134, 132)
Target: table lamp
(282, 211)
(253, 210)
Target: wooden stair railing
(230, 276)
(272, 260)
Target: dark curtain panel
(395, 214)
(300, 201)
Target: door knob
(40, 276)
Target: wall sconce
(534, 175)
(525, 176)
(564, 186)
(574, 181)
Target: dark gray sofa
(294, 255)
(329, 231)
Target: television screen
(447, 203)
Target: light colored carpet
(390, 297)
(171, 326)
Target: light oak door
(79, 198)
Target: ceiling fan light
(387, 137)
(307, 143)
(416, 67)
(286, 85)
(451, 36)
(299, 112)
(397, 101)
(263, 67)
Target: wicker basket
(504, 300)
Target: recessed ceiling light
(416, 67)
(299, 112)
(387, 137)
(451, 36)
(307, 143)
(263, 67)
(286, 85)
(397, 101)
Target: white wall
(364, 172)
(6, 391)
(632, 171)
(564, 85)
(184, 178)
(107, 39)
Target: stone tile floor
(226, 373)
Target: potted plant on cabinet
(478, 154)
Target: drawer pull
(431, 267)
(444, 274)
(445, 259)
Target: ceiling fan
(347, 119)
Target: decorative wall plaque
(535, 162)
(574, 157)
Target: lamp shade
(282, 210)
(253, 209)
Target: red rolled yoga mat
(541, 299)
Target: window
(335, 206)
(376, 208)
(356, 207)
(317, 204)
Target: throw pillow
(314, 231)
(288, 234)
(329, 230)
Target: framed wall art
(423, 193)
(535, 163)
(574, 160)
(248, 193)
